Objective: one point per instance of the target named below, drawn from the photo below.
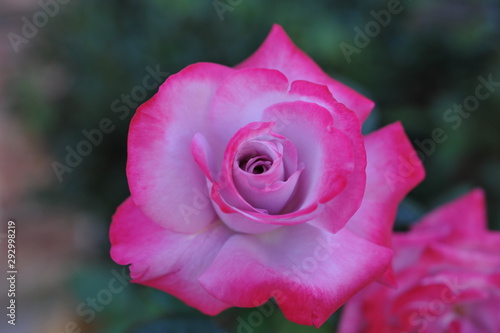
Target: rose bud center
(257, 164)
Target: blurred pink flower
(448, 271)
(255, 182)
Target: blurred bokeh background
(62, 70)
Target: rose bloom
(448, 274)
(255, 182)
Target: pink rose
(255, 182)
(448, 271)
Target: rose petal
(259, 149)
(449, 278)
(325, 151)
(369, 311)
(310, 272)
(239, 203)
(272, 198)
(224, 184)
(409, 247)
(471, 257)
(242, 97)
(482, 315)
(164, 180)
(233, 106)
(392, 171)
(347, 202)
(279, 52)
(327, 156)
(353, 319)
(166, 260)
(464, 218)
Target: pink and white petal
(239, 215)
(325, 151)
(225, 187)
(347, 202)
(290, 157)
(463, 218)
(255, 150)
(203, 156)
(241, 220)
(327, 154)
(242, 97)
(344, 118)
(272, 198)
(164, 179)
(252, 220)
(310, 272)
(166, 260)
(327, 167)
(279, 52)
(393, 169)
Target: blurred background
(64, 64)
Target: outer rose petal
(310, 272)
(353, 317)
(164, 180)
(392, 171)
(366, 314)
(279, 52)
(467, 257)
(166, 260)
(464, 218)
(409, 248)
